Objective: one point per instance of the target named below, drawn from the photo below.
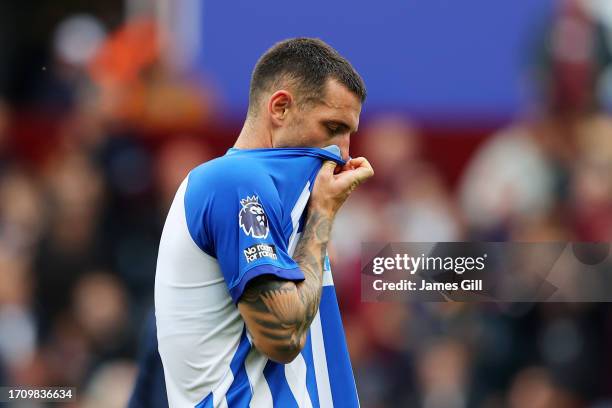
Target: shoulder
(225, 168)
(230, 172)
(218, 190)
(222, 182)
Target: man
(245, 304)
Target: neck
(253, 136)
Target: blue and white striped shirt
(233, 219)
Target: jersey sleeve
(241, 225)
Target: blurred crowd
(89, 166)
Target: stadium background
(485, 121)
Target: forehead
(339, 103)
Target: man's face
(329, 121)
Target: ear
(278, 105)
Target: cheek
(297, 129)
(310, 134)
(306, 130)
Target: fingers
(331, 190)
(359, 162)
(328, 168)
(358, 169)
(356, 161)
(350, 164)
(363, 168)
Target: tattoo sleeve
(278, 313)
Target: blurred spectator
(508, 179)
(443, 375)
(533, 387)
(99, 307)
(21, 211)
(591, 190)
(136, 87)
(174, 161)
(111, 386)
(70, 244)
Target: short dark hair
(308, 63)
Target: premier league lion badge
(252, 218)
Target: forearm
(279, 313)
(310, 256)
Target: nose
(344, 143)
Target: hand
(331, 190)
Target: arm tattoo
(310, 255)
(284, 310)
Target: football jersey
(235, 218)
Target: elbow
(283, 352)
(284, 357)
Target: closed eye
(336, 128)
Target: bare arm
(277, 312)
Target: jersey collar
(331, 152)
